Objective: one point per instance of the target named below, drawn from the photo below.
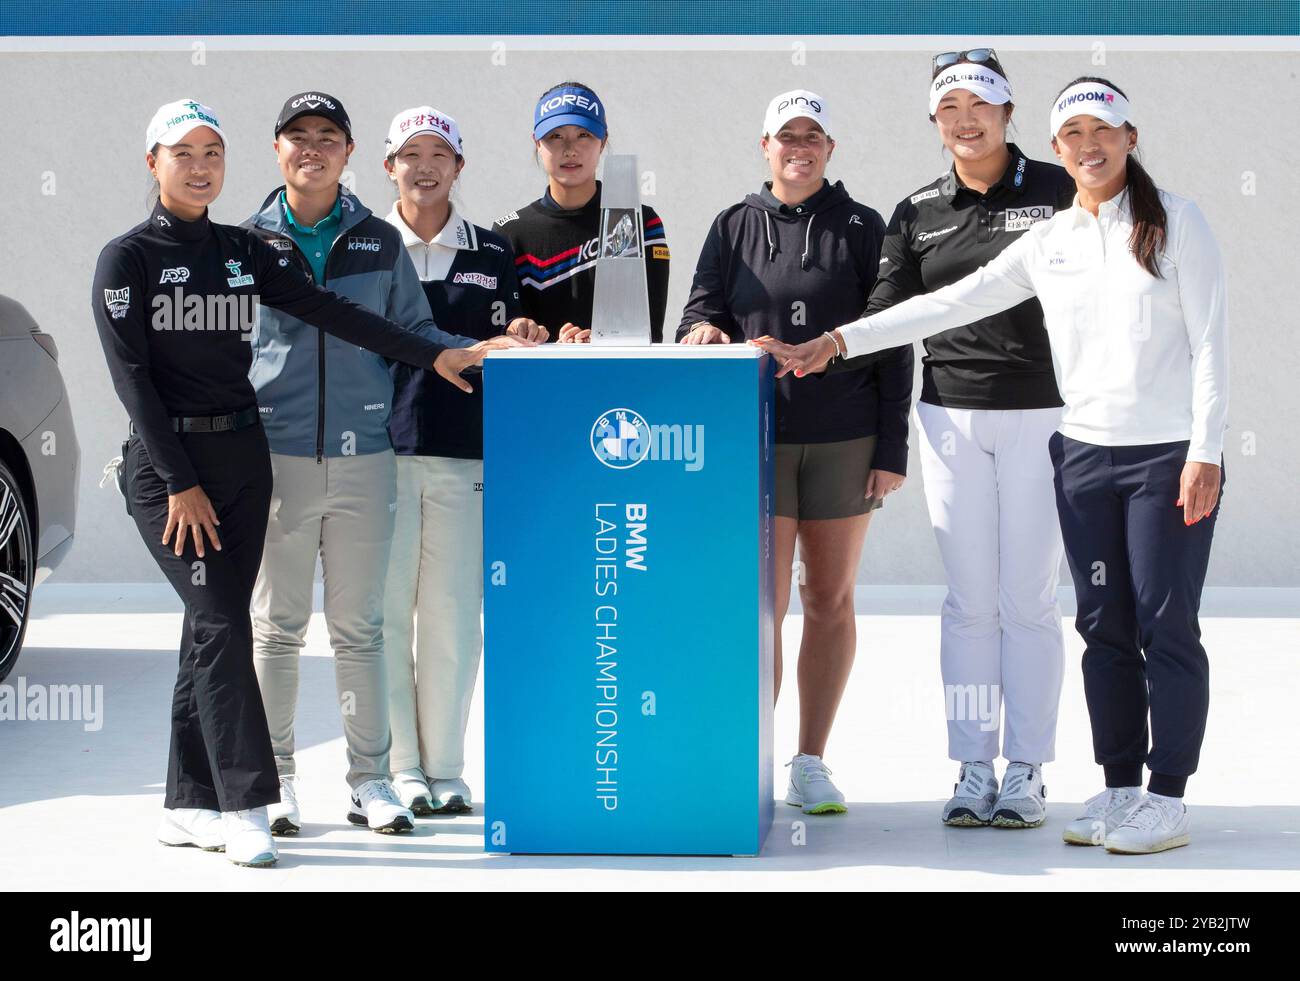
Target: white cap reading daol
(982, 80)
(422, 119)
(1090, 99)
(173, 121)
(791, 105)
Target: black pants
(221, 755)
(1138, 572)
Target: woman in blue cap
(555, 238)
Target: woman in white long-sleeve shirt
(1133, 291)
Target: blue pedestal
(627, 600)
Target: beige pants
(342, 509)
(433, 637)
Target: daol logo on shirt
(621, 439)
(235, 278)
(1018, 219)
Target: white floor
(78, 808)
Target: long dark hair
(1150, 222)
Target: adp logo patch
(620, 439)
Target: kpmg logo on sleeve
(621, 439)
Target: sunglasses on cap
(977, 56)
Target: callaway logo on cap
(172, 121)
(791, 105)
(314, 104)
(422, 119)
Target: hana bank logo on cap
(172, 122)
(411, 123)
(569, 105)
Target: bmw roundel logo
(620, 438)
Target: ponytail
(1149, 219)
(1150, 222)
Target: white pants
(432, 604)
(988, 486)
(341, 509)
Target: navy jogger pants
(1138, 572)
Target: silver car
(39, 464)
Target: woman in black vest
(432, 634)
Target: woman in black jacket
(776, 264)
(174, 302)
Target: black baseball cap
(314, 104)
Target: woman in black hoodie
(774, 265)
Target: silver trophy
(621, 306)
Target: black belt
(228, 423)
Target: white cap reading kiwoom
(172, 121)
(1090, 99)
(791, 105)
(986, 83)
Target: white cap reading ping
(422, 119)
(792, 105)
(979, 79)
(1090, 99)
(173, 121)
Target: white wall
(693, 118)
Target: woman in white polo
(1134, 298)
(432, 634)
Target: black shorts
(816, 481)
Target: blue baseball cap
(569, 105)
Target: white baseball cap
(791, 105)
(173, 121)
(422, 119)
(983, 81)
(1090, 99)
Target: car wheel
(17, 568)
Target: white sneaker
(1102, 814)
(285, 817)
(413, 791)
(248, 838)
(1157, 824)
(811, 788)
(971, 804)
(193, 827)
(1023, 800)
(375, 806)
(451, 796)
